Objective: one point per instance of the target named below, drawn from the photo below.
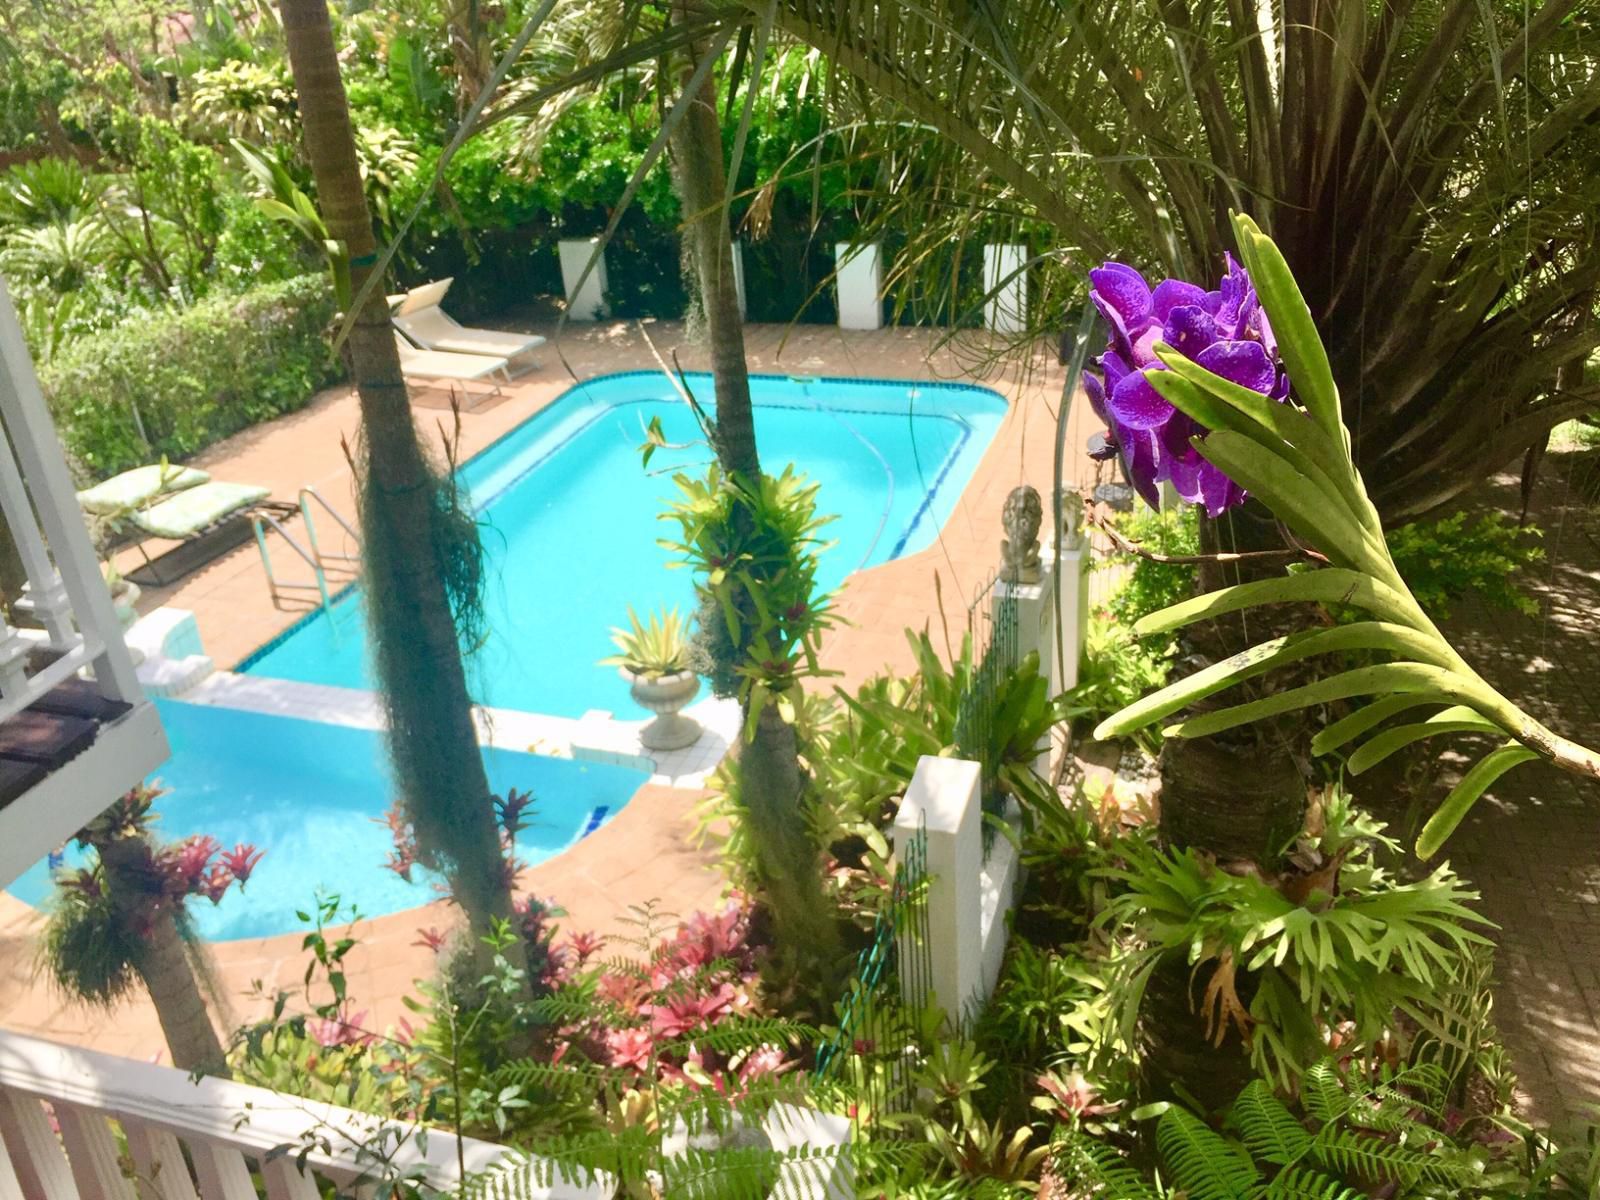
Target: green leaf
(1313, 509)
(1457, 719)
(1282, 429)
(1268, 1128)
(1330, 585)
(1292, 324)
(1364, 681)
(1204, 1165)
(1349, 728)
(1465, 794)
(1247, 664)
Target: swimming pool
(313, 796)
(571, 520)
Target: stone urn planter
(124, 597)
(666, 696)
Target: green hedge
(173, 383)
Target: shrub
(1447, 559)
(170, 384)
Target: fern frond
(744, 1033)
(1356, 1154)
(1322, 1092)
(1305, 1184)
(1205, 1164)
(550, 1077)
(1092, 1167)
(1268, 1129)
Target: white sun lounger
(420, 318)
(443, 364)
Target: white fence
(970, 891)
(971, 887)
(62, 1109)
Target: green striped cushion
(190, 511)
(133, 488)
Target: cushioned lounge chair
(420, 318)
(138, 487)
(434, 365)
(177, 504)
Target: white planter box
(1005, 282)
(860, 285)
(587, 303)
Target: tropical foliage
(1427, 169)
(1298, 461)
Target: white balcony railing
(62, 1111)
(67, 593)
(62, 627)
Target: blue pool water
(313, 797)
(572, 520)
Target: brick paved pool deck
(643, 854)
(1532, 845)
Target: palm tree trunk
(771, 782)
(433, 742)
(164, 964)
(1240, 796)
(702, 181)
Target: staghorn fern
(1298, 462)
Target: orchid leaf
(1314, 512)
(1330, 585)
(1465, 794)
(1247, 664)
(1281, 428)
(1363, 681)
(1347, 729)
(1292, 325)
(1457, 719)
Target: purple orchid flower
(1226, 331)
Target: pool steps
(166, 646)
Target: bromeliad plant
(655, 647)
(754, 548)
(1296, 459)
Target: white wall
(859, 281)
(589, 302)
(1006, 310)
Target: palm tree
(125, 921)
(587, 45)
(1427, 166)
(772, 784)
(422, 560)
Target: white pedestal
(1005, 282)
(860, 286)
(589, 302)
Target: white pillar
(1005, 283)
(859, 280)
(1072, 616)
(587, 303)
(945, 804)
(1036, 617)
